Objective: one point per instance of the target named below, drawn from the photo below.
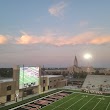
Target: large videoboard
(28, 77)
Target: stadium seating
(95, 83)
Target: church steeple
(75, 62)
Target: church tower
(75, 62)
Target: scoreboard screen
(29, 76)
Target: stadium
(32, 89)
(40, 41)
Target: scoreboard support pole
(23, 83)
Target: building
(10, 88)
(7, 90)
(52, 81)
(75, 62)
(89, 70)
(55, 71)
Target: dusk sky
(52, 32)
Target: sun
(87, 56)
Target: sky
(52, 32)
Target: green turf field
(80, 101)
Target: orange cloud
(84, 38)
(3, 39)
(100, 40)
(59, 41)
(27, 39)
(54, 39)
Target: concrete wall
(62, 83)
(16, 71)
(3, 99)
(45, 85)
(3, 88)
(53, 81)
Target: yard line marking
(74, 103)
(107, 106)
(102, 98)
(98, 103)
(86, 103)
(56, 101)
(65, 102)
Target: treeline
(6, 72)
(80, 75)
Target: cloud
(87, 37)
(100, 40)
(57, 40)
(3, 39)
(57, 10)
(28, 39)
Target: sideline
(92, 94)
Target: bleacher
(97, 83)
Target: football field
(81, 101)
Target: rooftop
(50, 76)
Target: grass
(75, 101)
(80, 101)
